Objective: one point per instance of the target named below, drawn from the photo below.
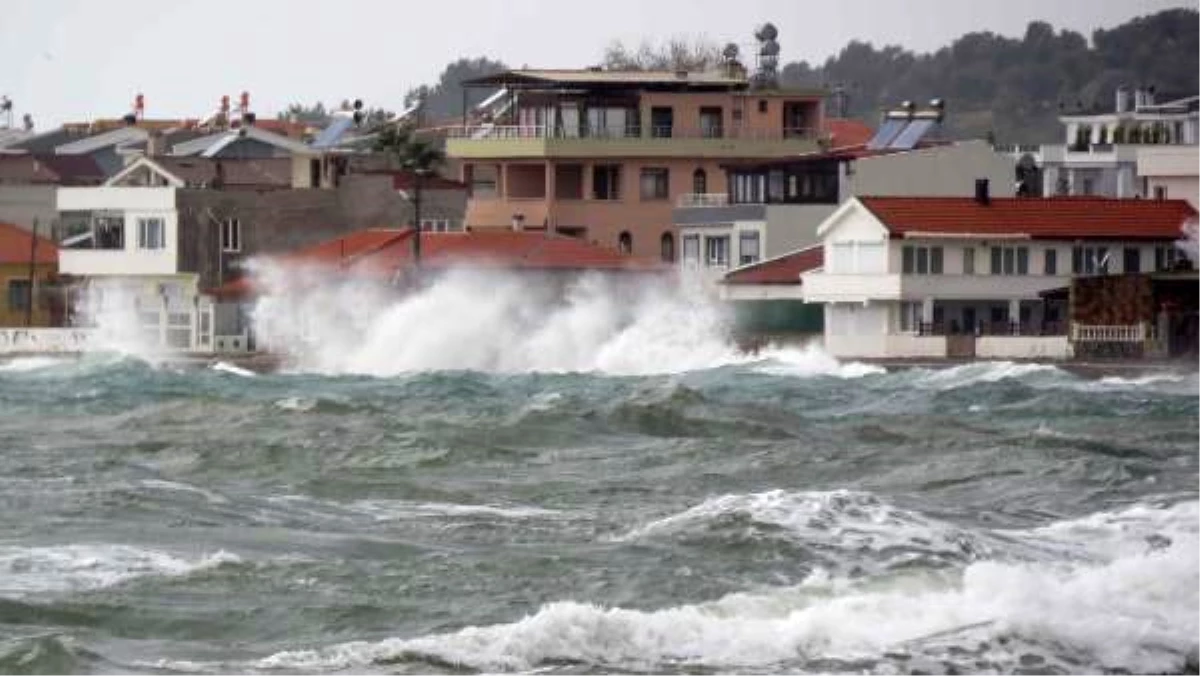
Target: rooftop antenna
(768, 56)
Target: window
(1051, 262)
(231, 235)
(1088, 260)
(699, 182)
(667, 247)
(691, 248)
(1087, 187)
(655, 184)
(1132, 261)
(1160, 192)
(151, 233)
(711, 122)
(18, 295)
(1165, 257)
(921, 260)
(749, 188)
(748, 247)
(854, 258)
(606, 182)
(775, 186)
(762, 105)
(625, 242)
(968, 260)
(662, 122)
(1007, 260)
(716, 251)
(482, 179)
(438, 225)
(910, 316)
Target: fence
(47, 340)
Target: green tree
(677, 53)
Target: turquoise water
(786, 514)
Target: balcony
(494, 141)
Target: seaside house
(29, 184)
(26, 301)
(962, 277)
(604, 155)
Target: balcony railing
(497, 132)
(1094, 333)
(693, 200)
(989, 328)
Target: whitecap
(27, 570)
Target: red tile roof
(848, 132)
(785, 269)
(15, 244)
(382, 253)
(1049, 218)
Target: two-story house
(954, 276)
(604, 155)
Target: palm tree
(420, 157)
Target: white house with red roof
(954, 276)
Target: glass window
(699, 182)
(18, 295)
(151, 233)
(691, 248)
(1051, 262)
(1133, 260)
(748, 247)
(922, 260)
(231, 235)
(655, 184)
(968, 260)
(997, 255)
(716, 251)
(935, 260)
(667, 247)
(908, 260)
(606, 182)
(1022, 260)
(625, 242)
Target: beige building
(606, 155)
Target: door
(970, 323)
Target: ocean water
(577, 506)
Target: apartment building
(605, 155)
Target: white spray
(500, 322)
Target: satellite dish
(767, 32)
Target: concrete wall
(21, 204)
(1023, 347)
(794, 226)
(282, 220)
(945, 171)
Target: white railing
(702, 199)
(1096, 333)
(504, 132)
(46, 340)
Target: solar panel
(886, 133)
(330, 135)
(912, 134)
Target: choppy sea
(498, 475)
(783, 513)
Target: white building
(121, 244)
(774, 208)
(1105, 154)
(937, 277)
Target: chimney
(981, 192)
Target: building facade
(27, 300)
(776, 207)
(605, 156)
(1102, 153)
(936, 277)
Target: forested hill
(1012, 88)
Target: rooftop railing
(504, 132)
(694, 200)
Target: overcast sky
(83, 59)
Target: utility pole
(32, 275)
(418, 178)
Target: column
(927, 315)
(1014, 312)
(550, 188)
